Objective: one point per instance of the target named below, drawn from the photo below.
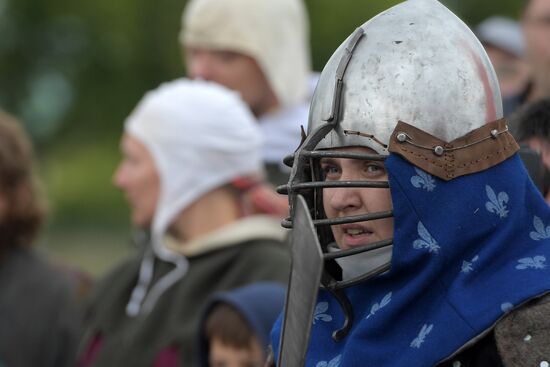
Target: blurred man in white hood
(191, 152)
(259, 48)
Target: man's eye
(330, 171)
(374, 168)
(227, 56)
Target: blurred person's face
(536, 31)
(223, 355)
(512, 71)
(235, 71)
(138, 178)
(350, 201)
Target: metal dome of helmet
(415, 62)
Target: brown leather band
(476, 151)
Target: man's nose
(345, 198)
(118, 178)
(200, 66)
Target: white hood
(201, 136)
(275, 33)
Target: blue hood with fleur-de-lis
(466, 252)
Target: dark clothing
(511, 104)
(38, 315)
(167, 335)
(483, 353)
(519, 339)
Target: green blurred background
(73, 70)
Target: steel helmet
(415, 62)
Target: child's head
(232, 342)
(235, 328)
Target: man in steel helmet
(435, 240)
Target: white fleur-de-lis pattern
(426, 241)
(468, 266)
(421, 338)
(379, 305)
(541, 231)
(335, 362)
(497, 203)
(536, 262)
(490, 203)
(320, 313)
(423, 180)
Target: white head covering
(275, 33)
(201, 136)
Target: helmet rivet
(401, 137)
(494, 133)
(438, 150)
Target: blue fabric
(465, 253)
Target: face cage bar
(296, 188)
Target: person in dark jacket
(235, 326)
(39, 318)
(191, 152)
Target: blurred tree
(332, 22)
(474, 11)
(79, 67)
